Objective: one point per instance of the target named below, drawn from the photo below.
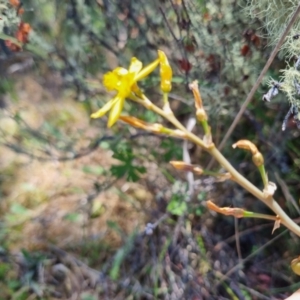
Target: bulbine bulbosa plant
(125, 83)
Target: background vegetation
(88, 212)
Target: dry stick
(287, 195)
(240, 264)
(232, 238)
(257, 83)
(237, 239)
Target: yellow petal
(125, 85)
(120, 71)
(147, 70)
(135, 66)
(102, 111)
(110, 81)
(115, 112)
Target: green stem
(263, 175)
(166, 97)
(250, 214)
(205, 127)
(211, 173)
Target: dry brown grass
(52, 191)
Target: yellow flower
(125, 83)
(165, 72)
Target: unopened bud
(247, 145)
(182, 166)
(295, 265)
(165, 72)
(258, 159)
(195, 89)
(197, 170)
(228, 211)
(156, 127)
(201, 115)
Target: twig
(288, 196)
(237, 239)
(243, 233)
(81, 26)
(253, 292)
(187, 159)
(94, 145)
(239, 265)
(259, 79)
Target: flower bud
(258, 159)
(247, 145)
(295, 265)
(156, 128)
(228, 211)
(201, 115)
(182, 166)
(198, 100)
(165, 72)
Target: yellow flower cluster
(124, 82)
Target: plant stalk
(247, 185)
(236, 176)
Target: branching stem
(217, 155)
(247, 185)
